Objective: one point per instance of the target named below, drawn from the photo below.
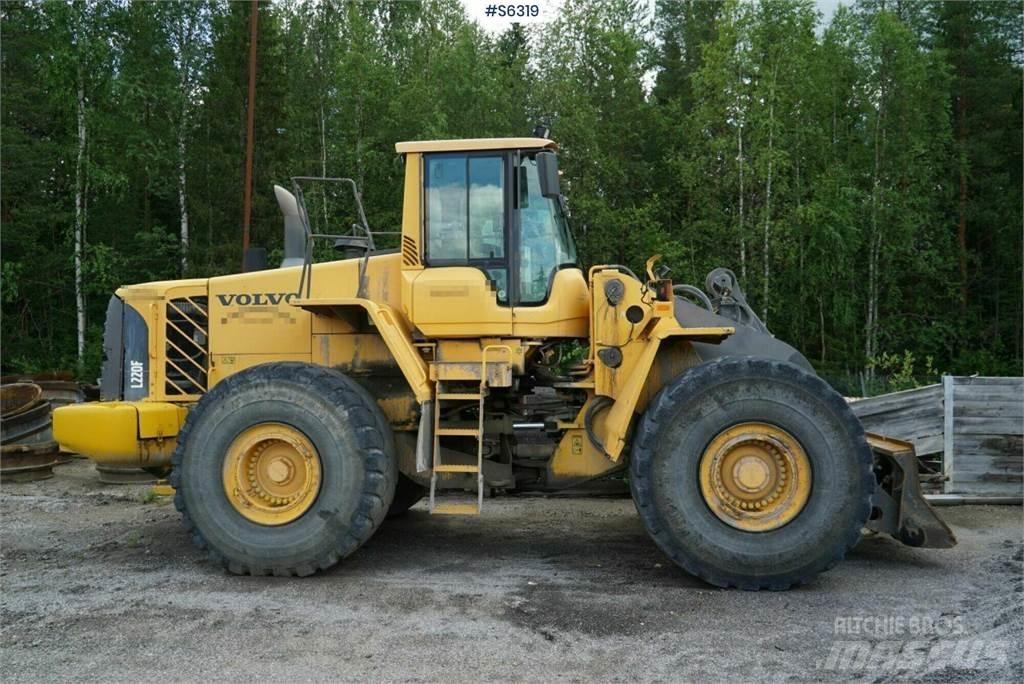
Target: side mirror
(547, 172)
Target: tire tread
(372, 432)
(683, 388)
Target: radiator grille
(409, 252)
(187, 347)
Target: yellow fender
(392, 330)
(620, 415)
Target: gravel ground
(101, 583)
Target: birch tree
(183, 24)
(81, 174)
(83, 22)
(869, 203)
(908, 131)
(782, 42)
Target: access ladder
(440, 431)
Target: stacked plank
(983, 424)
(970, 428)
(912, 415)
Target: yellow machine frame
(414, 324)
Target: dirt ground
(100, 582)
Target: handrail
(483, 360)
(306, 274)
(480, 436)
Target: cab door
(551, 294)
(464, 289)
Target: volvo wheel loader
(296, 407)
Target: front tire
(283, 469)
(751, 473)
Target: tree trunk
(874, 244)
(768, 207)
(209, 196)
(323, 141)
(147, 216)
(821, 325)
(870, 324)
(80, 217)
(185, 48)
(743, 238)
(801, 290)
(875, 237)
(324, 89)
(961, 227)
(182, 196)
(360, 166)
(323, 156)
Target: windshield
(545, 240)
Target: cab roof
(472, 144)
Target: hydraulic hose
(598, 404)
(624, 269)
(696, 292)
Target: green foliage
(569, 354)
(11, 274)
(863, 178)
(902, 371)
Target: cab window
(465, 214)
(544, 237)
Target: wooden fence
(971, 429)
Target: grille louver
(409, 251)
(187, 347)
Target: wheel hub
(280, 471)
(755, 477)
(272, 473)
(750, 473)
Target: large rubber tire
(358, 465)
(407, 492)
(407, 495)
(682, 421)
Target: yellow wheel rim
(272, 474)
(755, 477)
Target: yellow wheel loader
(296, 407)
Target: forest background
(862, 176)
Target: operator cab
(486, 244)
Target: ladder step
(457, 432)
(456, 468)
(458, 396)
(456, 509)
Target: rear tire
(709, 403)
(354, 480)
